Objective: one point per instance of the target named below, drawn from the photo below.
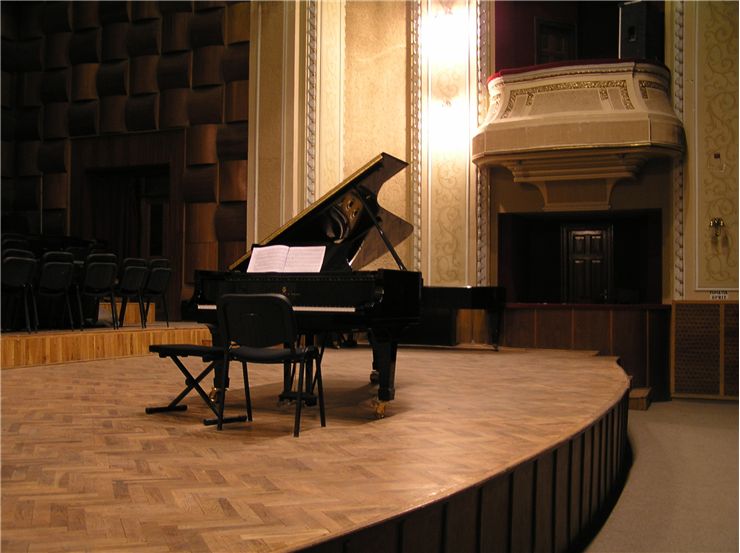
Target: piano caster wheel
(379, 407)
(374, 377)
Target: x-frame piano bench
(208, 354)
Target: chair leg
(79, 307)
(69, 312)
(113, 310)
(142, 315)
(221, 393)
(122, 312)
(25, 309)
(35, 312)
(146, 312)
(166, 315)
(247, 395)
(320, 389)
(299, 400)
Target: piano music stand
(210, 355)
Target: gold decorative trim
(601, 86)
(644, 85)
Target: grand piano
(342, 297)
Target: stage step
(640, 398)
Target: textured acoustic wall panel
(143, 11)
(113, 114)
(175, 7)
(83, 118)
(142, 112)
(55, 85)
(173, 108)
(84, 81)
(8, 125)
(30, 54)
(56, 17)
(28, 124)
(696, 348)
(112, 79)
(144, 75)
(85, 15)
(26, 156)
(200, 255)
(236, 103)
(53, 156)
(206, 5)
(29, 89)
(207, 65)
(115, 12)
(57, 50)
(200, 183)
(207, 28)
(228, 252)
(84, 46)
(199, 222)
(237, 23)
(26, 192)
(7, 155)
(731, 349)
(206, 105)
(173, 71)
(56, 190)
(232, 141)
(233, 181)
(236, 63)
(113, 42)
(7, 88)
(144, 38)
(231, 221)
(201, 145)
(9, 59)
(175, 33)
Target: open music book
(286, 259)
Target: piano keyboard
(306, 308)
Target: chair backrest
(56, 276)
(157, 281)
(131, 261)
(17, 272)
(16, 252)
(159, 262)
(257, 320)
(99, 276)
(79, 252)
(66, 257)
(101, 257)
(132, 278)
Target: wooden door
(587, 264)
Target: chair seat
(272, 355)
(207, 353)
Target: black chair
(253, 324)
(131, 279)
(155, 288)
(16, 252)
(208, 354)
(56, 281)
(17, 281)
(98, 280)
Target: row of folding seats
(42, 284)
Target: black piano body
(341, 297)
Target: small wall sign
(718, 294)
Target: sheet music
(284, 259)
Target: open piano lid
(347, 220)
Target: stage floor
(84, 468)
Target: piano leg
(384, 366)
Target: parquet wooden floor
(85, 469)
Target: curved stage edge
(553, 502)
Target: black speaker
(641, 30)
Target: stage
(480, 450)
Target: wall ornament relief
(483, 209)
(415, 131)
(678, 176)
(311, 98)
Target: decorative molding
(311, 98)
(483, 209)
(678, 176)
(415, 167)
(644, 85)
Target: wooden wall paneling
(231, 141)
(207, 28)
(207, 65)
(85, 47)
(555, 328)
(206, 105)
(237, 22)
(199, 255)
(201, 144)
(56, 48)
(7, 90)
(236, 103)
(144, 38)
(231, 221)
(30, 54)
(175, 32)
(144, 75)
(56, 17)
(591, 328)
(143, 11)
(495, 514)
(233, 181)
(561, 503)
(379, 537)
(696, 349)
(142, 112)
(659, 355)
(228, 252)
(173, 70)
(459, 534)
(518, 327)
(26, 158)
(113, 114)
(522, 507)
(56, 85)
(421, 530)
(56, 190)
(115, 11)
(7, 129)
(30, 25)
(200, 183)
(83, 118)
(578, 482)
(26, 191)
(28, 123)
(85, 15)
(236, 63)
(54, 156)
(84, 82)
(112, 78)
(165, 6)
(29, 89)
(113, 42)
(204, 5)
(199, 222)
(629, 337)
(731, 349)
(9, 59)
(544, 500)
(7, 166)
(173, 108)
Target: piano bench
(208, 354)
